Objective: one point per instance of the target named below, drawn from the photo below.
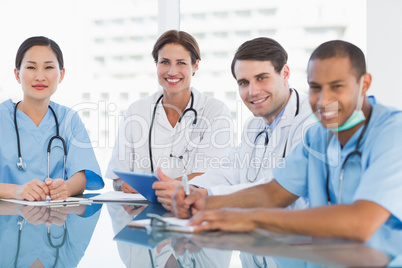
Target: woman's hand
(34, 190)
(164, 189)
(57, 216)
(57, 189)
(128, 189)
(35, 214)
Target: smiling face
(334, 90)
(263, 90)
(175, 69)
(39, 74)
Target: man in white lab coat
(278, 125)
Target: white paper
(175, 224)
(117, 196)
(50, 203)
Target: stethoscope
(21, 164)
(264, 133)
(354, 152)
(193, 264)
(191, 109)
(20, 224)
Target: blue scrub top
(33, 241)
(34, 141)
(375, 177)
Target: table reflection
(138, 248)
(258, 249)
(33, 236)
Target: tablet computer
(141, 182)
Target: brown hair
(261, 49)
(181, 38)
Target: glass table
(97, 235)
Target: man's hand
(227, 219)
(181, 204)
(165, 189)
(35, 190)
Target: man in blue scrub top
(349, 166)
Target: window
(143, 94)
(137, 38)
(99, 40)
(243, 33)
(118, 58)
(104, 96)
(200, 16)
(86, 114)
(136, 57)
(209, 93)
(137, 20)
(267, 12)
(100, 60)
(99, 22)
(199, 36)
(119, 39)
(243, 13)
(231, 95)
(118, 21)
(220, 54)
(86, 96)
(220, 34)
(124, 95)
(267, 32)
(221, 15)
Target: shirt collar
(279, 116)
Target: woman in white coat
(178, 129)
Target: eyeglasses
(257, 155)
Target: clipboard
(157, 223)
(141, 182)
(70, 201)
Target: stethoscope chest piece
(21, 164)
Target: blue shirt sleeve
(381, 179)
(293, 176)
(80, 155)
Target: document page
(173, 224)
(68, 201)
(117, 196)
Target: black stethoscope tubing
(354, 152)
(266, 141)
(265, 130)
(191, 109)
(21, 164)
(20, 223)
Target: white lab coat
(211, 139)
(289, 132)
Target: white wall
(384, 50)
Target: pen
(186, 188)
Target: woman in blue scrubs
(44, 147)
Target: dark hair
(181, 38)
(38, 41)
(261, 49)
(342, 49)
